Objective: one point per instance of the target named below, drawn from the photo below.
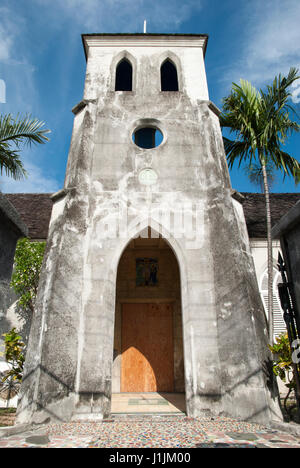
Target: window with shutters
(279, 323)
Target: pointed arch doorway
(148, 365)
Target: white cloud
(36, 182)
(6, 35)
(16, 72)
(18, 94)
(271, 41)
(296, 93)
(123, 15)
(10, 27)
(5, 45)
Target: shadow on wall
(176, 399)
(259, 414)
(48, 412)
(58, 406)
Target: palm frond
(10, 163)
(278, 94)
(237, 151)
(261, 123)
(22, 130)
(286, 163)
(16, 131)
(241, 113)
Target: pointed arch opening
(123, 80)
(148, 336)
(168, 76)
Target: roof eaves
(287, 222)
(206, 36)
(12, 214)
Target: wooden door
(147, 348)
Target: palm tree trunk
(270, 253)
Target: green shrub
(14, 356)
(283, 367)
(27, 267)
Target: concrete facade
(114, 190)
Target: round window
(147, 137)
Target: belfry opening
(148, 365)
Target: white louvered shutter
(279, 323)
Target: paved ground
(150, 402)
(155, 432)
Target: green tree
(10, 379)
(261, 123)
(14, 133)
(14, 355)
(27, 267)
(25, 279)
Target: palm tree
(14, 132)
(261, 123)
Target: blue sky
(42, 61)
